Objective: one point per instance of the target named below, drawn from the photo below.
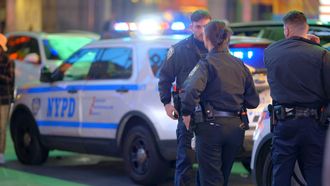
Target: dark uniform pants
(302, 140)
(216, 149)
(184, 174)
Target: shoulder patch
(170, 53)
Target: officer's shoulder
(276, 44)
(182, 43)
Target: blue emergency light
(251, 56)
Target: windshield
(61, 47)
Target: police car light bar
(178, 26)
(122, 26)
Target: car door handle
(72, 91)
(122, 90)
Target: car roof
(170, 39)
(91, 35)
(276, 23)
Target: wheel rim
(24, 141)
(139, 156)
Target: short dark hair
(199, 15)
(217, 32)
(295, 17)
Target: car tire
(267, 170)
(267, 173)
(143, 162)
(262, 158)
(26, 138)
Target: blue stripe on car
(77, 124)
(80, 87)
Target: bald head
(295, 24)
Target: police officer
(223, 84)
(181, 59)
(299, 78)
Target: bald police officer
(299, 78)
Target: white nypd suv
(102, 100)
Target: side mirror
(32, 58)
(45, 75)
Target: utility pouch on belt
(208, 112)
(198, 116)
(325, 115)
(204, 112)
(244, 119)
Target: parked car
(104, 100)
(273, 30)
(32, 50)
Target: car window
(61, 47)
(20, 46)
(115, 63)
(251, 55)
(156, 58)
(275, 32)
(77, 66)
(323, 33)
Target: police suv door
(108, 94)
(62, 116)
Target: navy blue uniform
(181, 59)
(299, 77)
(224, 82)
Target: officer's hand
(186, 121)
(171, 111)
(314, 38)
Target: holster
(176, 101)
(244, 119)
(273, 120)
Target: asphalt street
(72, 169)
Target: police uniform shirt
(223, 81)
(181, 59)
(294, 68)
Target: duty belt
(283, 112)
(305, 112)
(218, 113)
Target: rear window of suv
(251, 54)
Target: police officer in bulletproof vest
(181, 59)
(215, 92)
(299, 78)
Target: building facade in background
(92, 15)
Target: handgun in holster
(244, 119)
(273, 120)
(176, 102)
(325, 115)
